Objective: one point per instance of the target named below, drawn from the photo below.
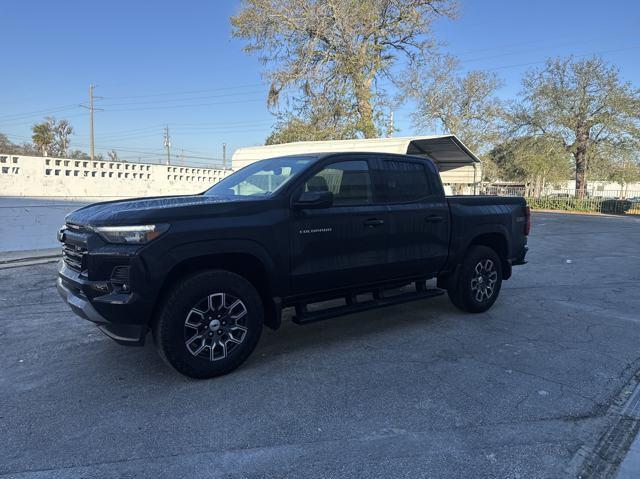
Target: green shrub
(586, 205)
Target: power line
(208, 124)
(251, 85)
(159, 152)
(149, 131)
(174, 100)
(20, 116)
(520, 52)
(126, 131)
(30, 122)
(195, 105)
(577, 56)
(536, 42)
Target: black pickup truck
(203, 273)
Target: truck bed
(471, 214)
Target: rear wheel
(210, 324)
(478, 282)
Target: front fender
(191, 250)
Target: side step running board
(303, 316)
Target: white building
(458, 166)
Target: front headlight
(131, 234)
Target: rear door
(344, 244)
(419, 230)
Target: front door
(346, 243)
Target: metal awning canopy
(455, 161)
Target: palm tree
(44, 135)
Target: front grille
(73, 256)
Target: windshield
(262, 178)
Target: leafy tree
(319, 46)
(465, 105)
(538, 161)
(316, 118)
(622, 163)
(44, 136)
(582, 103)
(51, 137)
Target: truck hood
(149, 210)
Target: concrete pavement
(417, 390)
(33, 223)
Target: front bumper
(121, 308)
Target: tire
(478, 281)
(209, 324)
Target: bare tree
(583, 103)
(465, 105)
(8, 147)
(62, 131)
(319, 45)
(112, 155)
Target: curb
(582, 213)
(603, 459)
(12, 259)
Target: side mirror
(314, 200)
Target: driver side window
(349, 181)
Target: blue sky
(175, 63)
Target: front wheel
(478, 282)
(209, 324)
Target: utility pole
(167, 144)
(91, 109)
(391, 126)
(92, 148)
(224, 156)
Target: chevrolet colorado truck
(204, 273)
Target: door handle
(433, 218)
(373, 222)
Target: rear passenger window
(404, 181)
(349, 181)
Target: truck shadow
(400, 320)
(293, 343)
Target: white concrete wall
(37, 193)
(32, 176)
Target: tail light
(527, 220)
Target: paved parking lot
(417, 390)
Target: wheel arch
(498, 242)
(250, 266)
